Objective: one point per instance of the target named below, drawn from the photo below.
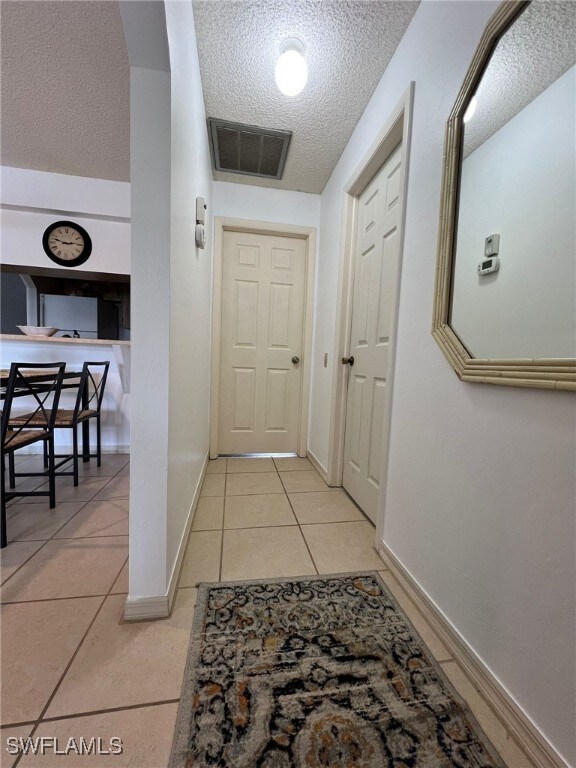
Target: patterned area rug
(317, 672)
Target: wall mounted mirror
(505, 304)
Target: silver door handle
(295, 359)
(348, 360)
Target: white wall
(480, 491)
(190, 278)
(150, 333)
(244, 201)
(171, 294)
(32, 200)
(525, 172)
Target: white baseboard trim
(318, 467)
(160, 606)
(515, 720)
(146, 608)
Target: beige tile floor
(71, 666)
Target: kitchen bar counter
(18, 348)
(59, 339)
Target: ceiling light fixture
(469, 114)
(291, 68)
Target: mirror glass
(514, 268)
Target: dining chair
(88, 406)
(45, 388)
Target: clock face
(67, 244)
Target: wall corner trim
(521, 728)
(318, 467)
(160, 606)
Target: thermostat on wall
(488, 266)
(200, 234)
(200, 231)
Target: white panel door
(263, 294)
(376, 262)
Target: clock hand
(64, 242)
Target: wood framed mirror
(505, 297)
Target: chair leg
(98, 442)
(11, 470)
(85, 440)
(3, 535)
(51, 472)
(45, 455)
(75, 454)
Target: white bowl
(37, 330)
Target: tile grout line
(89, 713)
(93, 536)
(83, 506)
(142, 705)
(235, 495)
(274, 471)
(233, 474)
(358, 507)
(72, 658)
(245, 472)
(5, 726)
(55, 599)
(92, 498)
(222, 527)
(45, 541)
(330, 490)
(67, 667)
(257, 527)
(178, 587)
(15, 501)
(298, 523)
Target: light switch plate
(492, 245)
(200, 210)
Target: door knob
(348, 360)
(295, 360)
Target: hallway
(261, 517)
(423, 355)
(73, 667)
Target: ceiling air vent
(247, 149)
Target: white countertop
(60, 340)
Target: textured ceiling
(65, 88)
(538, 48)
(348, 45)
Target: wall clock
(67, 244)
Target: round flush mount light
(291, 68)
(469, 114)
